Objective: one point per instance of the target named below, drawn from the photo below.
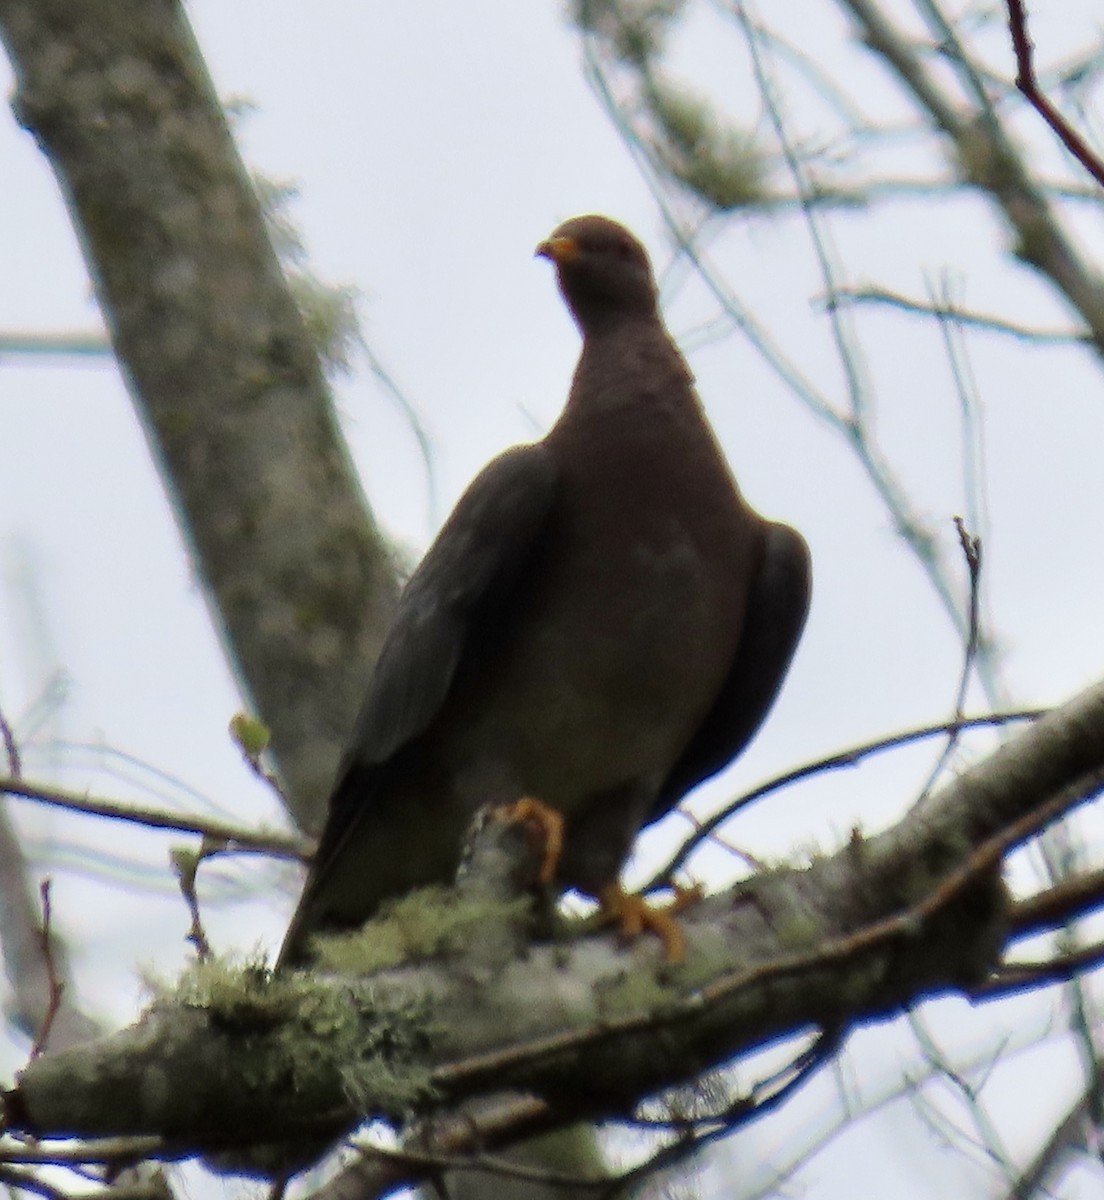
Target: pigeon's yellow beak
(559, 249)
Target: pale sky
(434, 145)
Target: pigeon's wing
(470, 571)
(777, 606)
(472, 567)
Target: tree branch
(990, 162)
(976, 320)
(585, 1028)
(1028, 85)
(226, 382)
(236, 837)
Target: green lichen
(723, 166)
(864, 978)
(807, 855)
(241, 994)
(636, 990)
(317, 1031)
(796, 931)
(276, 196)
(378, 1050)
(307, 617)
(635, 31)
(423, 924)
(329, 313)
(176, 424)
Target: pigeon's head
(604, 273)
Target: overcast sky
(434, 145)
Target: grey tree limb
(990, 161)
(222, 373)
(581, 1025)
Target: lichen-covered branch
(236, 1062)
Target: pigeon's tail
(368, 855)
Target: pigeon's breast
(633, 609)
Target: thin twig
(948, 43)
(1057, 906)
(982, 321)
(117, 1152)
(991, 161)
(988, 1139)
(422, 1163)
(763, 1098)
(185, 865)
(971, 551)
(844, 758)
(67, 344)
(20, 1179)
(1028, 86)
(1027, 976)
(848, 352)
(414, 422)
(745, 856)
(55, 986)
(11, 748)
(234, 837)
(1066, 1143)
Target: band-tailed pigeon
(601, 624)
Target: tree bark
(581, 1025)
(224, 378)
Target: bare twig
(1027, 976)
(991, 162)
(421, 1164)
(907, 1085)
(185, 865)
(971, 551)
(1066, 1141)
(764, 1097)
(378, 1172)
(56, 987)
(844, 758)
(1055, 907)
(1028, 85)
(11, 748)
(981, 321)
(70, 344)
(23, 1180)
(847, 348)
(35, 961)
(235, 837)
(113, 1152)
(745, 856)
(414, 422)
(969, 1089)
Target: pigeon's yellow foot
(549, 822)
(633, 915)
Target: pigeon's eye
(624, 249)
